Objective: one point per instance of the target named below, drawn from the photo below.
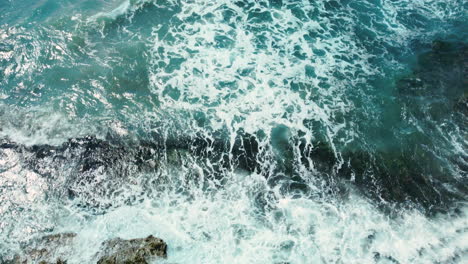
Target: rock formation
(56, 249)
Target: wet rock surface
(410, 174)
(57, 248)
(137, 251)
(88, 171)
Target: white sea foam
(42, 126)
(225, 227)
(223, 60)
(239, 72)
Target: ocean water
(268, 131)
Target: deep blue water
(275, 131)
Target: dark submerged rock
(88, 171)
(407, 178)
(439, 79)
(406, 175)
(133, 251)
(422, 166)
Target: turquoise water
(272, 131)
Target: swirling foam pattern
(266, 131)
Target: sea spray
(237, 131)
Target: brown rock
(133, 251)
(52, 249)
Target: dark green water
(238, 131)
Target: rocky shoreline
(56, 248)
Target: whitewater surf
(269, 131)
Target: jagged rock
(133, 251)
(54, 249)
